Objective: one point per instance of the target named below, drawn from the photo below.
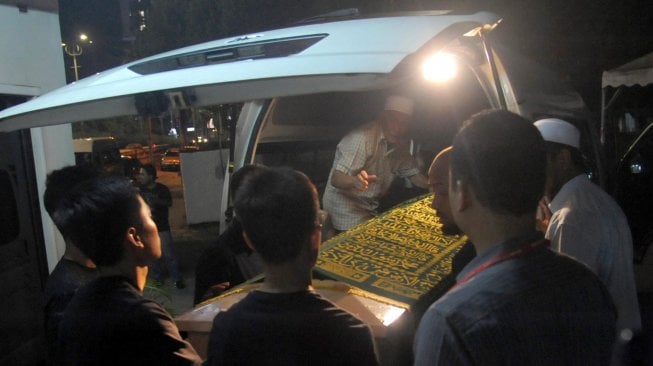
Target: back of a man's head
(150, 170)
(278, 210)
(502, 157)
(61, 181)
(96, 214)
(239, 176)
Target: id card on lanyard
(520, 251)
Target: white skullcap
(559, 131)
(399, 104)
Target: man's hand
(364, 180)
(359, 182)
(543, 215)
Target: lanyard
(519, 252)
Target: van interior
(303, 131)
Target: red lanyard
(521, 251)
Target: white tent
(636, 72)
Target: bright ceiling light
(439, 67)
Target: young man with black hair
(284, 322)
(74, 269)
(517, 302)
(228, 261)
(108, 321)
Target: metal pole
(149, 138)
(489, 55)
(74, 52)
(75, 67)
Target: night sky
(576, 39)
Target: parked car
(634, 190)
(136, 151)
(170, 160)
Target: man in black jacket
(284, 322)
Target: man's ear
(313, 248)
(460, 197)
(133, 239)
(316, 237)
(248, 241)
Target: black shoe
(180, 284)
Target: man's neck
(564, 178)
(72, 253)
(286, 278)
(137, 274)
(492, 230)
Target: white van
(302, 88)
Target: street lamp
(73, 50)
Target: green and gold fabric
(400, 254)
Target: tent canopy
(636, 72)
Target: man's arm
(360, 181)
(165, 346)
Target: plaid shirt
(365, 149)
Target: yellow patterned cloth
(400, 254)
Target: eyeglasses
(321, 218)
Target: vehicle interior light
(439, 67)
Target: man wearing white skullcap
(585, 222)
(366, 162)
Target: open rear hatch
(341, 56)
